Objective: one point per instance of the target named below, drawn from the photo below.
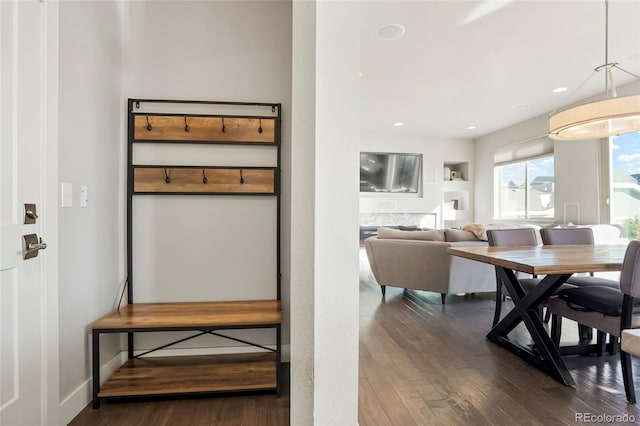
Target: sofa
(419, 260)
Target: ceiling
(488, 64)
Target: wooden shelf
(192, 374)
(205, 180)
(191, 315)
(161, 128)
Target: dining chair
(511, 238)
(630, 343)
(571, 236)
(606, 309)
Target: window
(625, 183)
(524, 189)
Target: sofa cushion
(455, 235)
(432, 235)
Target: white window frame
(497, 187)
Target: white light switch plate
(84, 196)
(66, 194)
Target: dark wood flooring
(421, 363)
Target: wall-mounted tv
(390, 172)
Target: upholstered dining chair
(510, 238)
(606, 309)
(570, 236)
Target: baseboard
(73, 404)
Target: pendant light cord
(609, 85)
(606, 31)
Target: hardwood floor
(421, 363)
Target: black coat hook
(260, 125)
(204, 177)
(241, 177)
(149, 126)
(186, 125)
(167, 179)
(224, 129)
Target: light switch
(66, 194)
(84, 196)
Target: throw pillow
(477, 230)
(455, 235)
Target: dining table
(556, 263)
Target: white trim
(44, 264)
(73, 404)
(49, 229)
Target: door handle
(37, 246)
(31, 245)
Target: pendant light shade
(610, 117)
(599, 119)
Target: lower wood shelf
(192, 374)
(154, 376)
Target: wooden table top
(191, 314)
(548, 260)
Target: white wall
(324, 386)
(580, 176)
(336, 214)
(303, 129)
(91, 257)
(435, 152)
(218, 51)
(576, 168)
(111, 51)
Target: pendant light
(610, 117)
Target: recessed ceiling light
(559, 90)
(471, 128)
(398, 124)
(390, 31)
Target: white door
(28, 174)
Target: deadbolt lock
(30, 214)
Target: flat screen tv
(389, 172)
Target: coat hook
(241, 177)
(204, 177)
(137, 104)
(273, 108)
(149, 126)
(224, 129)
(167, 179)
(260, 125)
(186, 125)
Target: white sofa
(419, 260)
